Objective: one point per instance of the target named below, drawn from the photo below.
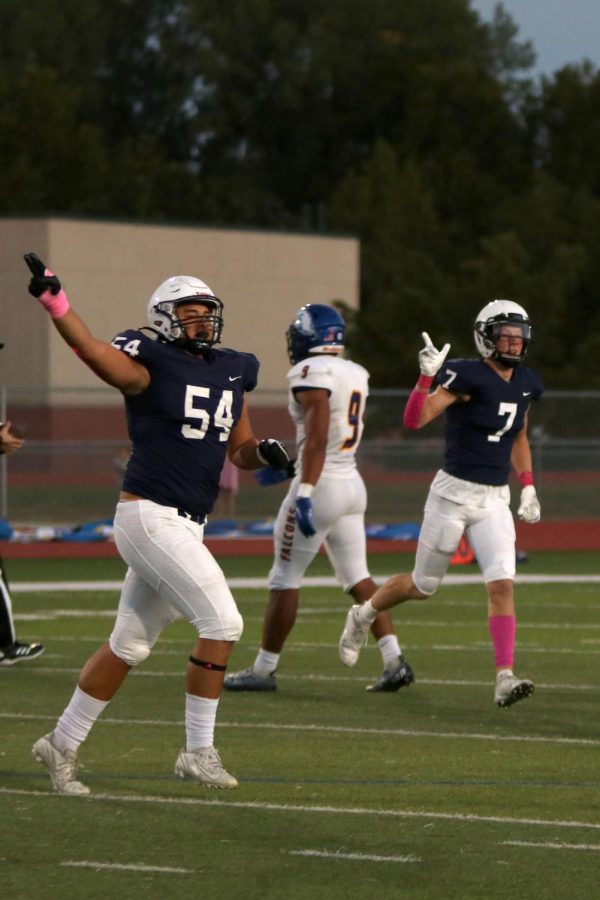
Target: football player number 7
(510, 411)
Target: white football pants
(171, 574)
(453, 507)
(339, 505)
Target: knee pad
(228, 627)
(285, 577)
(427, 584)
(235, 627)
(130, 649)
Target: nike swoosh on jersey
(526, 393)
(239, 376)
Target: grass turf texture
(433, 792)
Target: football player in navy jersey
(186, 408)
(486, 403)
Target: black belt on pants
(199, 520)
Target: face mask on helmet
(317, 328)
(496, 327)
(171, 294)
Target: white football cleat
(354, 637)
(249, 680)
(510, 690)
(205, 767)
(61, 766)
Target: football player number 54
(223, 417)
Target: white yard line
(361, 679)
(360, 857)
(128, 867)
(550, 845)
(312, 810)
(301, 646)
(311, 581)
(333, 729)
(43, 615)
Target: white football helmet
(487, 326)
(168, 296)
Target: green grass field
(432, 792)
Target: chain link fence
(68, 471)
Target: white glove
(529, 509)
(430, 359)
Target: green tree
(547, 262)
(404, 289)
(412, 125)
(566, 120)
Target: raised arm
(421, 406)
(110, 364)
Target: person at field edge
(11, 650)
(186, 408)
(327, 498)
(486, 403)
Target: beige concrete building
(110, 269)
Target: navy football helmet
(171, 294)
(489, 323)
(317, 328)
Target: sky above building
(561, 31)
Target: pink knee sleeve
(503, 630)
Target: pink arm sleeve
(416, 402)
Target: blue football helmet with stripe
(317, 328)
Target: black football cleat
(393, 679)
(17, 652)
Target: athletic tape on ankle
(207, 665)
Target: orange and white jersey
(348, 386)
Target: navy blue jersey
(179, 426)
(480, 433)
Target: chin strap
(195, 347)
(507, 362)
